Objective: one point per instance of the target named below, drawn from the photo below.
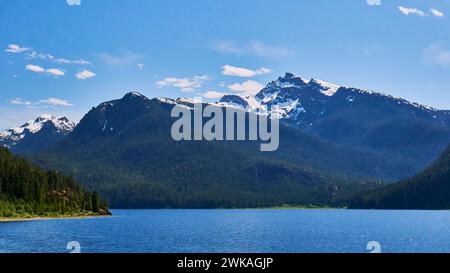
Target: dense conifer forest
(429, 189)
(27, 191)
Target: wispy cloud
(257, 48)
(31, 54)
(213, 94)
(227, 47)
(262, 49)
(44, 103)
(55, 102)
(35, 55)
(436, 54)
(73, 2)
(437, 13)
(374, 2)
(229, 70)
(38, 69)
(13, 48)
(247, 88)
(127, 58)
(19, 101)
(46, 56)
(185, 84)
(85, 74)
(67, 61)
(412, 11)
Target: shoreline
(257, 208)
(44, 218)
(87, 216)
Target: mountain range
(36, 135)
(355, 117)
(123, 148)
(335, 142)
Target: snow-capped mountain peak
(135, 94)
(289, 80)
(52, 125)
(34, 126)
(293, 98)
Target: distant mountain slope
(334, 141)
(124, 150)
(429, 189)
(27, 191)
(309, 103)
(36, 135)
(355, 117)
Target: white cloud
(437, 13)
(374, 2)
(55, 72)
(418, 12)
(436, 54)
(85, 74)
(257, 48)
(44, 103)
(41, 70)
(185, 84)
(35, 68)
(413, 11)
(140, 66)
(73, 2)
(243, 72)
(247, 88)
(12, 48)
(213, 94)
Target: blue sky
(66, 56)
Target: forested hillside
(429, 189)
(123, 149)
(27, 191)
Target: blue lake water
(235, 231)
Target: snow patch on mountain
(187, 103)
(326, 88)
(283, 110)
